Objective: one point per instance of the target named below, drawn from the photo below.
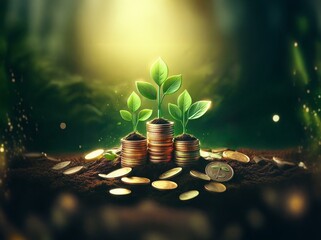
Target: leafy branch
(165, 85)
(185, 110)
(133, 104)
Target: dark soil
(185, 137)
(160, 121)
(134, 136)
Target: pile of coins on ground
(187, 152)
(160, 142)
(133, 153)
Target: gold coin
(119, 191)
(217, 150)
(61, 165)
(171, 173)
(73, 170)
(95, 155)
(236, 156)
(215, 187)
(199, 175)
(164, 185)
(188, 195)
(117, 173)
(135, 180)
(204, 154)
(281, 162)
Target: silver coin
(219, 171)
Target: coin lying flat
(171, 173)
(95, 155)
(117, 173)
(73, 170)
(219, 171)
(204, 154)
(135, 180)
(188, 195)
(199, 175)
(236, 156)
(164, 185)
(216, 150)
(215, 187)
(61, 165)
(119, 191)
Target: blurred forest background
(67, 68)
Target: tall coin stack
(187, 152)
(133, 152)
(160, 142)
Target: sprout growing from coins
(133, 104)
(185, 110)
(165, 85)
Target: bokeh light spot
(276, 118)
(295, 44)
(63, 125)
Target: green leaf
(225, 169)
(175, 112)
(144, 114)
(184, 101)
(159, 71)
(198, 109)
(133, 102)
(172, 84)
(215, 167)
(127, 116)
(147, 90)
(110, 156)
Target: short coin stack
(187, 152)
(160, 142)
(133, 152)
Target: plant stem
(134, 122)
(159, 103)
(183, 123)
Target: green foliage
(133, 104)
(110, 155)
(165, 85)
(185, 110)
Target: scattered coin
(219, 171)
(188, 195)
(204, 154)
(164, 185)
(215, 187)
(302, 165)
(217, 150)
(35, 155)
(258, 159)
(281, 162)
(119, 191)
(95, 155)
(171, 173)
(135, 180)
(61, 165)
(117, 173)
(52, 159)
(236, 156)
(199, 175)
(73, 170)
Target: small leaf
(184, 101)
(172, 84)
(127, 116)
(198, 109)
(159, 71)
(144, 114)
(174, 111)
(215, 167)
(133, 102)
(110, 156)
(147, 90)
(225, 169)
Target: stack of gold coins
(133, 152)
(187, 152)
(160, 142)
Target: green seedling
(185, 110)
(133, 104)
(165, 85)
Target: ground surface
(262, 201)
